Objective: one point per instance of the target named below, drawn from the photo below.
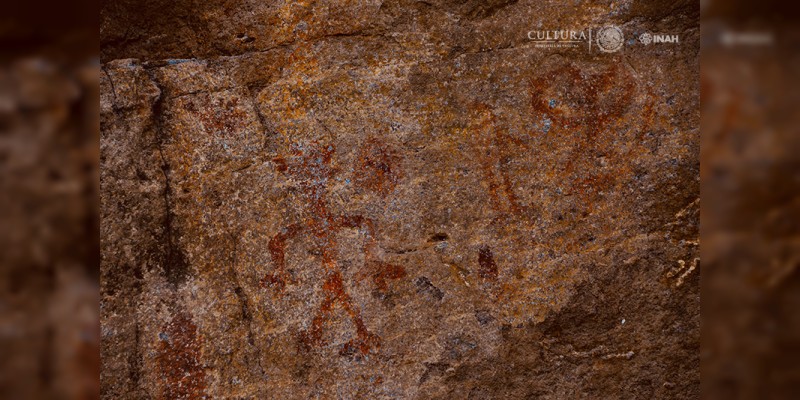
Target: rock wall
(335, 199)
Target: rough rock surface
(324, 199)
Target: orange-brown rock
(397, 200)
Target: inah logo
(610, 39)
(647, 38)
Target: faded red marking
(591, 105)
(583, 93)
(179, 360)
(385, 271)
(493, 144)
(378, 167)
(487, 267)
(310, 166)
(280, 164)
(219, 116)
(277, 250)
(335, 293)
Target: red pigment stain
(382, 272)
(334, 292)
(310, 166)
(487, 267)
(220, 116)
(280, 164)
(181, 371)
(588, 108)
(277, 250)
(378, 166)
(494, 147)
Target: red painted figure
(310, 165)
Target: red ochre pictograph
(495, 148)
(179, 360)
(310, 165)
(594, 105)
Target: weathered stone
(397, 200)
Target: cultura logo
(562, 38)
(609, 38)
(646, 38)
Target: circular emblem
(610, 39)
(646, 38)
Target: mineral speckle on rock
(397, 200)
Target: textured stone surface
(397, 200)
